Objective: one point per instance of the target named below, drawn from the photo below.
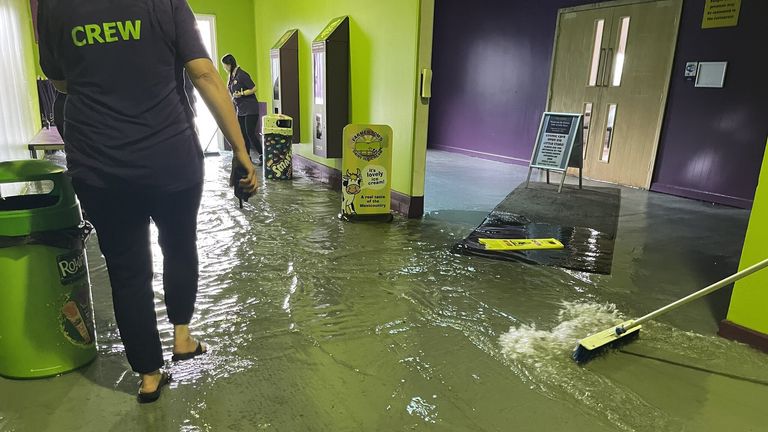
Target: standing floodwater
(315, 324)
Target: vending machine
(284, 61)
(330, 58)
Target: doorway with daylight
(211, 138)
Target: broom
(592, 346)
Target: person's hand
(250, 183)
(238, 94)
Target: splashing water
(542, 358)
(577, 320)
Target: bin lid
(28, 170)
(279, 124)
(24, 214)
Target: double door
(613, 64)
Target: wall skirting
(408, 206)
(317, 172)
(481, 155)
(736, 332)
(702, 195)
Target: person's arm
(246, 92)
(248, 84)
(215, 95)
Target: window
(18, 120)
(596, 53)
(618, 64)
(585, 128)
(608, 139)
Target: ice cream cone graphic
(72, 313)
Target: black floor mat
(585, 221)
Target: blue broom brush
(614, 337)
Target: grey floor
(668, 245)
(315, 324)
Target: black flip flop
(190, 355)
(144, 398)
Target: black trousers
(122, 219)
(249, 124)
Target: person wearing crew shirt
(134, 157)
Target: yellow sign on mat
(521, 244)
(721, 13)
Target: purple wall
(491, 62)
(491, 67)
(713, 140)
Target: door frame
(668, 74)
(210, 18)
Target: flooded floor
(319, 325)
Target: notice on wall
(557, 136)
(721, 13)
(366, 170)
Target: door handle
(609, 62)
(601, 67)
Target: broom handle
(698, 294)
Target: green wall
(384, 39)
(234, 30)
(749, 302)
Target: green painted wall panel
(384, 39)
(749, 302)
(235, 31)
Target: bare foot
(150, 381)
(183, 342)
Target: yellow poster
(366, 182)
(721, 13)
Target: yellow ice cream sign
(366, 170)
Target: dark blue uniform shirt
(128, 121)
(245, 105)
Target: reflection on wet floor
(315, 324)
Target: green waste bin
(277, 131)
(46, 318)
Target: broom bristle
(583, 354)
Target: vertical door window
(608, 138)
(585, 128)
(618, 64)
(597, 53)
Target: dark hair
(229, 60)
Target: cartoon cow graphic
(350, 185)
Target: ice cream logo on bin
(368, 145)
(71, 266)
(75, 323)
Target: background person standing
(243, 91)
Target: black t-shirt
(245, 105)
(128, 121)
